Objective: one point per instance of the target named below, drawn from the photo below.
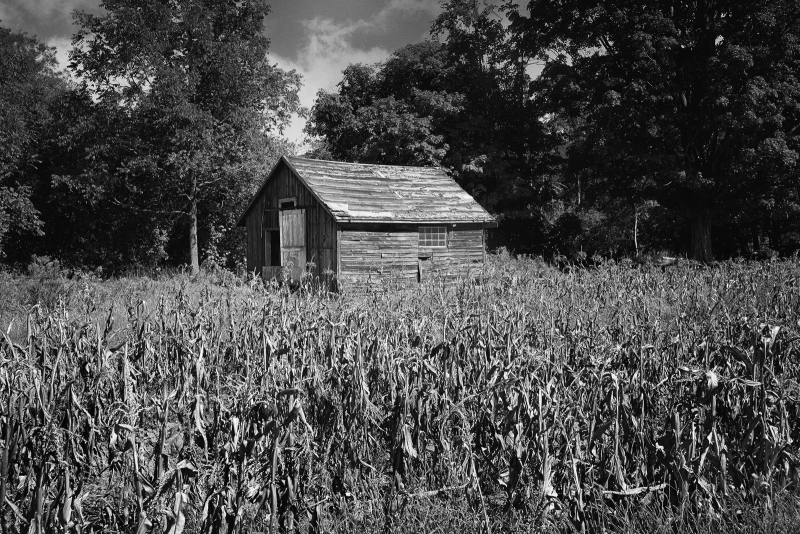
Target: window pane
(433, 236)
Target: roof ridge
(437, 168)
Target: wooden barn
(361, 224)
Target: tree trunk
(700, 245)
(193, 252)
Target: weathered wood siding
(375, 256)
(263, 217)
(464, 255)
(387, 254)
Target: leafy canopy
(695, 105)
(28, 83)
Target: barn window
(433, 236)
(287, 203)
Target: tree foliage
(390, 113)
(28, 83)
(693, 105)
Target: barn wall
(263, 217)
(464, 254)
(388, 254)
(372, 256)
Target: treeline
(149, 157)
(590, 126)
(586, 126)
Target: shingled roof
(358, 193)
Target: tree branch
(145, 210)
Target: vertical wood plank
(338, 252)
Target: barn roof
(359, 192)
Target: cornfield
(534, 399)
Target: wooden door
(292, 226)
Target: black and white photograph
(399, 266)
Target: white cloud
(321, 63)
(431, 7)
(43, 7)
(44, 18)
(50, 21)
(62, 45)
(329, 49)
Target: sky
(317, 38)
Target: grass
(622, 398)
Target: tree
(375, 119)
(88, 162)
(693, 105)
(193, 74)
(28, 83)
(502, 151)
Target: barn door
(292, 226)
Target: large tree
(693, 105)
(194, 76)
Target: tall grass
(621, 398)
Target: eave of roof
(487, 224)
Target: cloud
(321, 62)
(43, 18)
(18, 14)
(49, 20)
(430, 7)
(330, 47)
(62, 45)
